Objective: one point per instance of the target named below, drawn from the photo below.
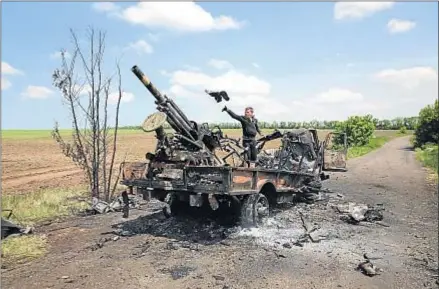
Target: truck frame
(250, 193)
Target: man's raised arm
(232, 114)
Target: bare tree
(86, 93)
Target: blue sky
(290, 61)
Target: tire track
(40, 178)
(36, 172)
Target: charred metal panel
(334, 155)
(265, 177)
(134, 171)
(204, 179)
(167, 185)
(284, 181)
(334, 160)
(242, 180)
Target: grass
(36, 207)
(428, 156)
(23, 248)
(374, 143)
(381, 137)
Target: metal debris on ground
(309, 233)
(367, 268)
(356, 213)
(102, 207)
(11, 229)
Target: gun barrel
(176, 118)
(147, 83)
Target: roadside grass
(428, 155)
(23, 248)
(44, 205)
(381, 137)
(375, 143)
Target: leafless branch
(90, 130)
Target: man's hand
(225, 108)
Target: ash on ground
(318, 226)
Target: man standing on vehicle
(249, 130)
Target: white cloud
(7, 69)
(220, 64)
(105, 6)
(338, 95)
(255, 65)
(408, 77)
(37, 92)
(126, 97)
(399, 26)
(332, 104)
(5, 84)
(243, 89)
(180, 16)
(232, 81)
(57, 55)
(141, 47)
(359, 10)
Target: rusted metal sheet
(134, 170)
(334, 160)
(334, 156)
(264, 178)
(242, 180)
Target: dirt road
(187, 253)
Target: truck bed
(213, 180)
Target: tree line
(408, 123)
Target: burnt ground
(199, 253)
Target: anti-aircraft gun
(185, 171)
(192, 143)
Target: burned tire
(254, 208)
(173, 205)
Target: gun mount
(192, 142)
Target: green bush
(427, 129)
(403, 130)
(359, 130)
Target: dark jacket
(249, 125)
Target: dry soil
(194, 253)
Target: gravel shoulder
(192, 253)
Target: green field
(46, 134)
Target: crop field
(32, 161)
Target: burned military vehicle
(197, 166)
